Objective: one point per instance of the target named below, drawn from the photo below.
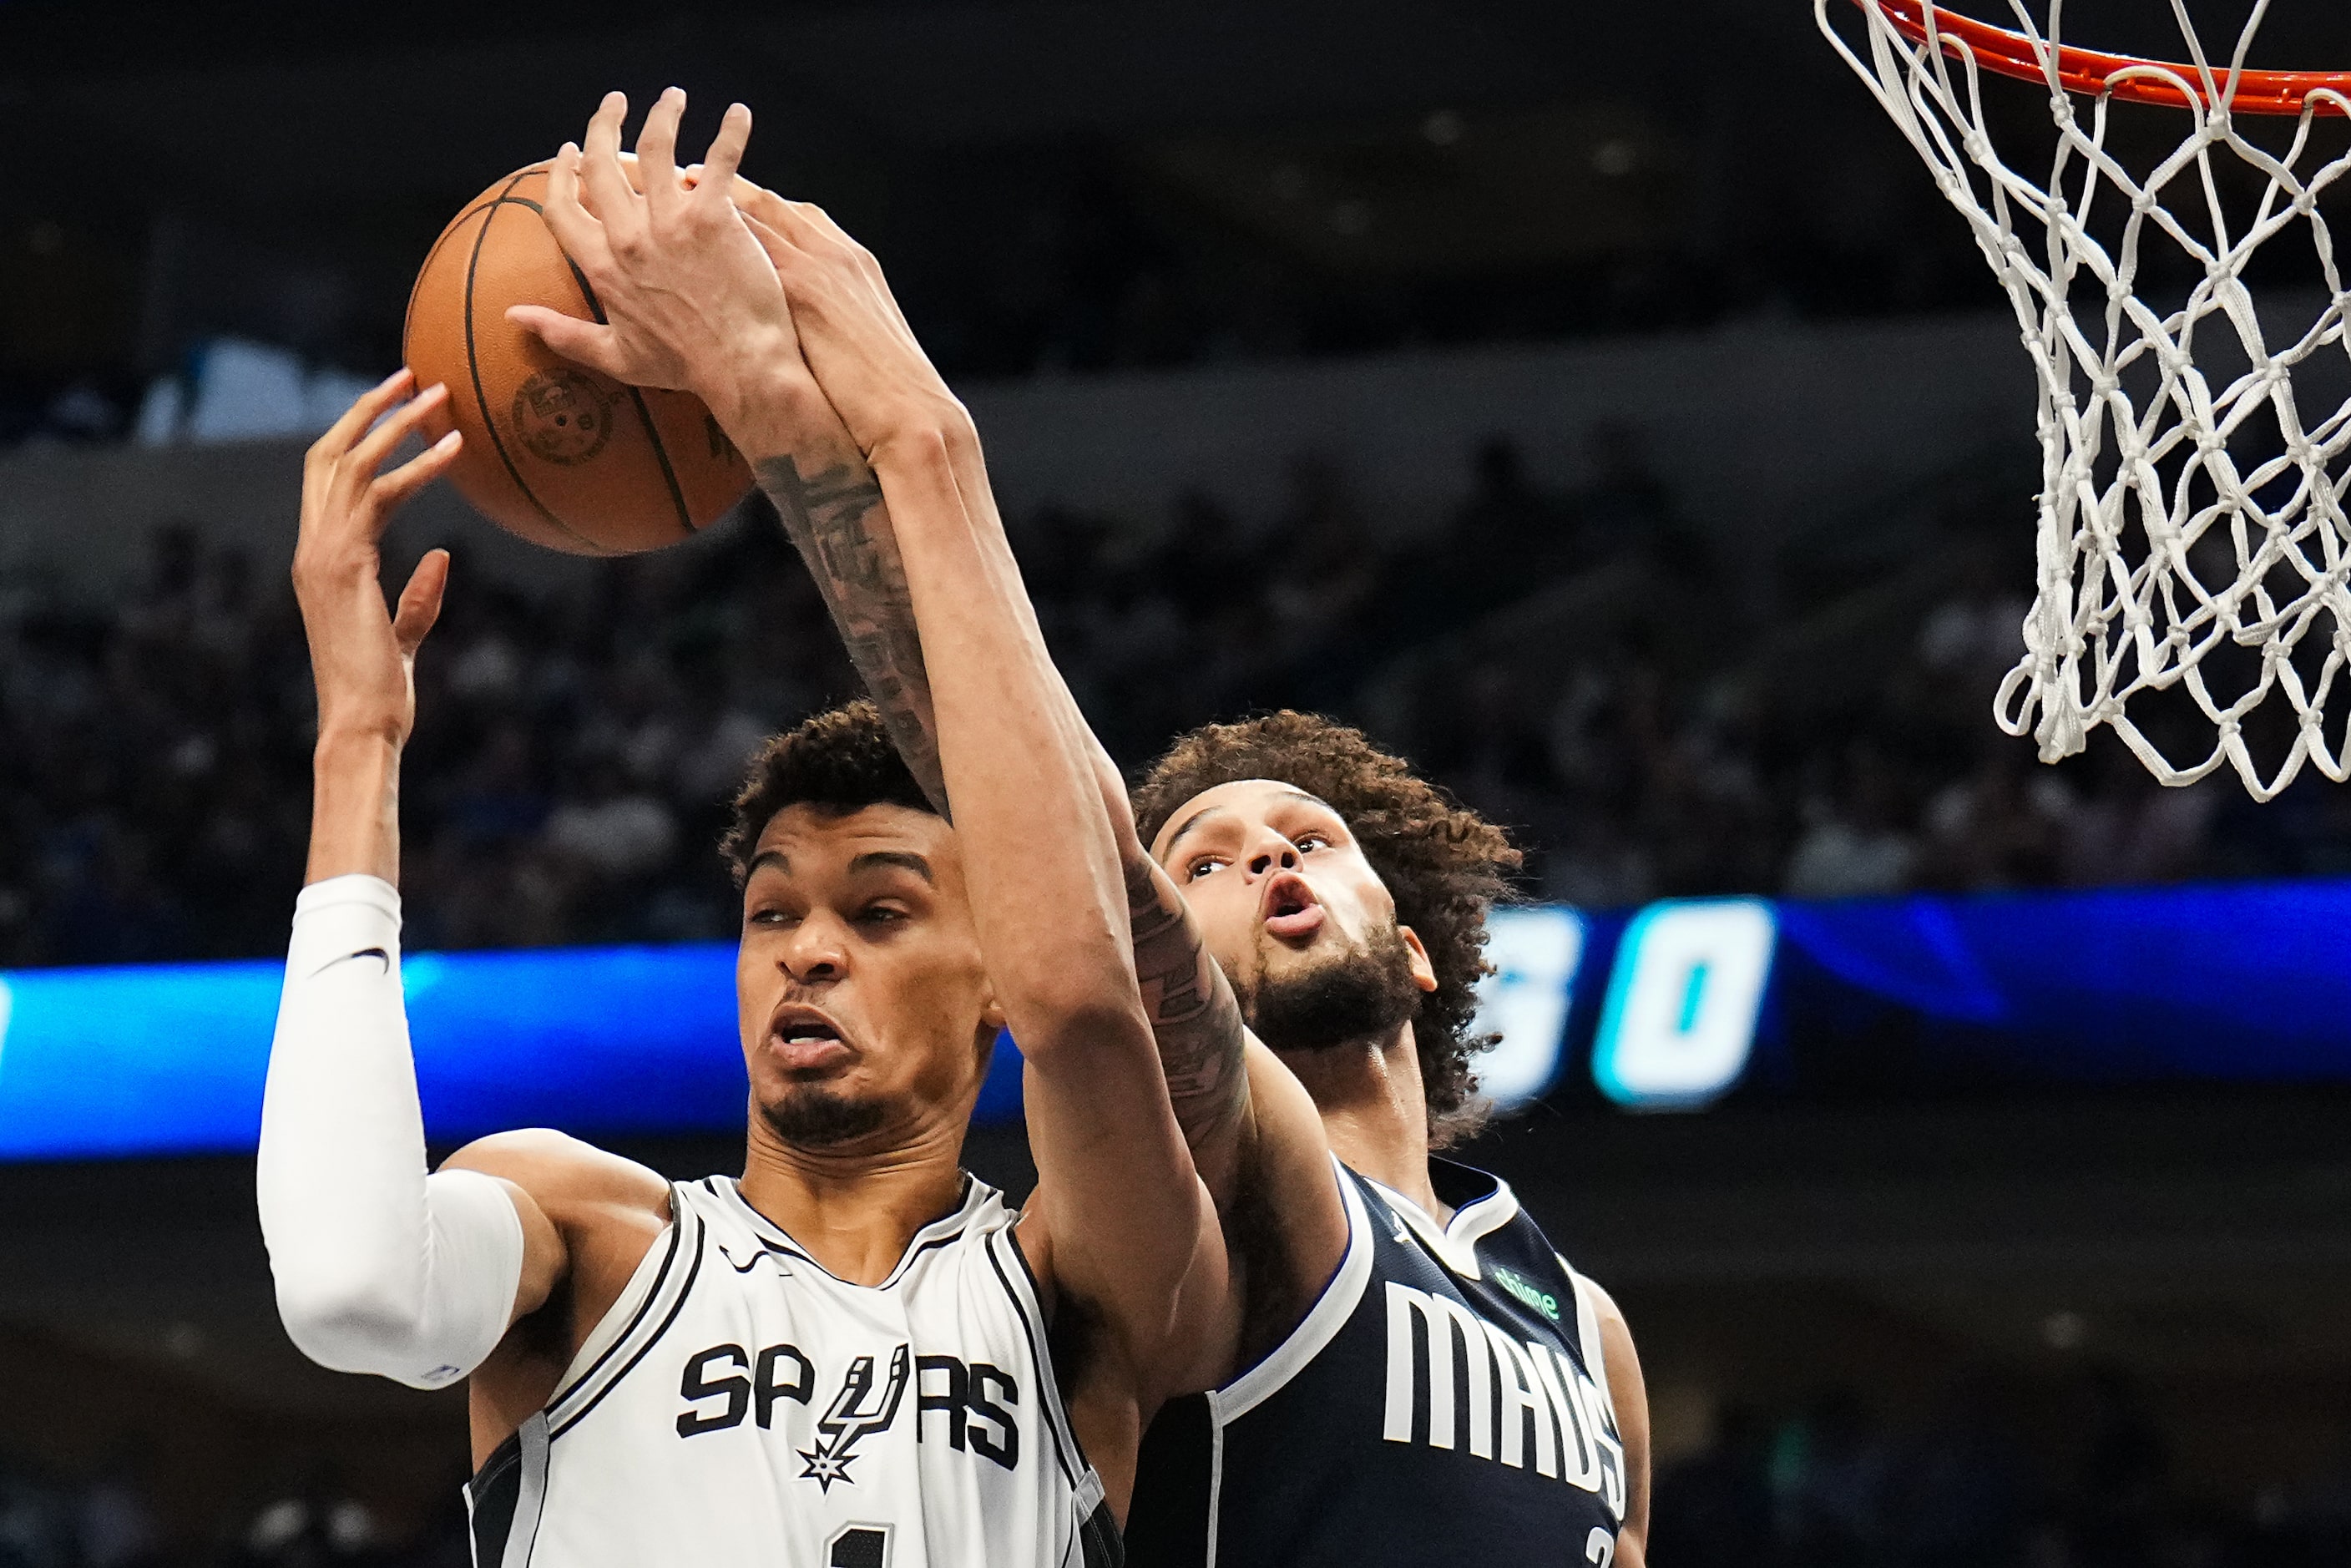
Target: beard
(809, 1117)
(1362, 993)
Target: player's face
(1282, 890)
(865, 1011)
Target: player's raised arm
(834, 512)
(1118, 1197)
(1237, 1105)
(378, 1268)
(848, 321)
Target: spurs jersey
(739, 1406)
(1443, 1401)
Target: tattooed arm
(1257, 1140)
(832, 512)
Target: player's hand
(850, 330)
(689, 299)
(362, 655)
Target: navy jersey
(1443, 1401)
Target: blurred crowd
(1826, 1483)
(1834, 1485)
(1085, 272)
(1655, 712)
(110, 1520)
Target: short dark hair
(837, 762)
(1444, 864)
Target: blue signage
(598, 1041)
(1682, 1003)
(1673, 1006)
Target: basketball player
(840, 1358)
(1454, 1392)
(1412, 1374)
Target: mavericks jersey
(739, 1406)
(1443, 1401)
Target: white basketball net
(2137, 439)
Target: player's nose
(1270, 853)
(815, 952)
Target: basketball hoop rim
(2090, 73)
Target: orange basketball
(558, 454)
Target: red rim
(2088, 72)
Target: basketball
(554, 452)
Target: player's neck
(1374, 1111)
(856, 1213)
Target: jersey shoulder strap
(647, 1305)
(1587, 1331)
(1322, 1320)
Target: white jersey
(739, 1406)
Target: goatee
(1363, 994)
(812, 1118)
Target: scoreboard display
(1675, 1006)
(1686, 1004)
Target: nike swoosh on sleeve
(378, 954)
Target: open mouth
(803, 1037)
(1290, 907)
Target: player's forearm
(354, 806)
(844, 532)
(1194, 1020)
(1039, 852)
(379, 1267)
(833, 512)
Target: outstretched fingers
(360, 464)
(420, 603)
(657, 150)
(365, 410)
(609, 192)
(575, 229)
(388, 491)
(716, 170)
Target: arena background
(1595, 402)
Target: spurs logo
(973, 1408)
(857, 1411)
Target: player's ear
(1424, 973)
(991, 1015)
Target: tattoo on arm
(835, 518)
(1192, 1014)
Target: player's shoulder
(564, 1174)
(1604, 1305)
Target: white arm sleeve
(380, 1267)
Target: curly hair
(1444, 864)
(837, 762)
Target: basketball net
(2148, 456)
